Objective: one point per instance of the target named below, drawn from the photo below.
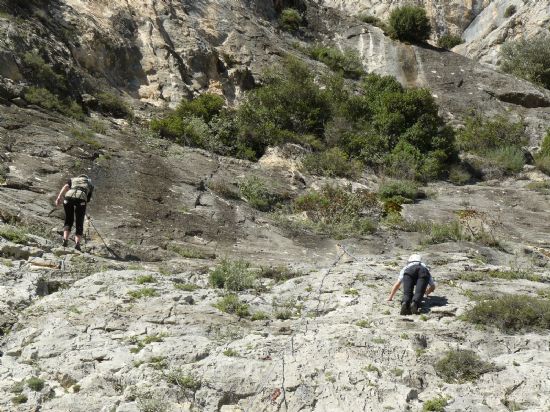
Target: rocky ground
(141, 333)
(130, 323)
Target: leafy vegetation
(333, 162)
(44, 98)
(290, 19)
(337, 211)
(410, 23)
(87, 137)
(42, 74)
(187, 287)
(35, 384)
(347, 62)
(14, 235)
(179, 378)
(448, 41)
(143, 293)
(254, 190)
(381, 125)
(459, 366)
(140, 280)
(279, 273)
(510, 11)
(497, 141)
(399, 191)
(232, 304)
(112, 105)
(528, 59)
(512, 313)
(497, 274)
(542, 158)
(233, 275)
(436, 404)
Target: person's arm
(90, 193)
(394, 290)
(61, 194)
(431, 285)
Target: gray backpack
(80, 187)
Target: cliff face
(134, 324)
(483, 24)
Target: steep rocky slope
(129, 325)
(484, 25)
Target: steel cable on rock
(290, 342)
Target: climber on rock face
(76, 193)
(417, 281)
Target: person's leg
(419, 290)
(80, 212)
(69, 220)
(408, 285)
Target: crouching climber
(417, 281)
(75, 194)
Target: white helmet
(415, 258)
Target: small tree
(410, 23)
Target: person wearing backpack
(75, 194)
(417, 281)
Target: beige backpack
(80, 186)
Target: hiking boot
(405, 309)
(414, 308)
(65, 242)
(77, 247)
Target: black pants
(417, 281)
(74, 207)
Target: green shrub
(179, 378)
(444, 232)
(230, 353)
(338, 212)
(279, 273)
(346, 62)
(289, 106)
(510, 11)
(259, 315)
(284, 309)
(460, 366)
(528, 59)
(143, 293)
(509, 159)
(498, 274)
(187, 287)
(42, 74)
(113, 105)
(512, 313)
(399, 191)
(435, 404)
(19, 399)
(140, 280)
(448, 41)
(201, 122)
(290, 19)
(231, 304)
(225, 189)
(542, 158)
(35, 384)
(543, 163)
(410, 23)
(332, 163)
(254, 190)
(49, 101)
(233, 275)
(481, 135)
(14, 235)
(459, 175)
(370, 19)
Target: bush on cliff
(410, 23)
(528, 59)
